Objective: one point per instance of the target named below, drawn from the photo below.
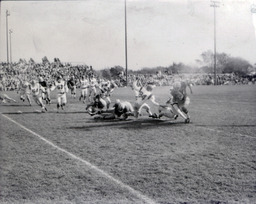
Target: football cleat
(187, 120)
(154, 115)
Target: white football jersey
(84, 83)
(61, 87)
(93, 82)
(35, 89)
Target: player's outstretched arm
(153, 100)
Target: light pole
(215, 5)
(126, 63)
(10, 33)
(7, 14)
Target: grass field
(69, 157)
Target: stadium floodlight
(126, 59)
(7, 14)
(10, 33)
(215, 5)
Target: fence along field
(210, 160)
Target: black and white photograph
(128, 101)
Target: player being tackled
(179, 100)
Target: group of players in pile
(96, 95)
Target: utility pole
(126, 63)
(10, 33)
(215, 5)
(7, 14)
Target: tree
(238, 66)
(207, 62)
(177, 68)
(105, 73)
(115, 71)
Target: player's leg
(93, 92)
(42, 104)
(58, 102)
(81, 95)
(108, 101)
(39, 101)
(63, 100)
(128, 110)
(43, 96)
(184, 107)
(177, 110)
(35, 98)
(22, 96)
(136, 109)
(28, 98)
(129, 107)
(101, 105)
(6, 97)
(85, 96)
(108, 114)
(48, 95)
(74, 91)
(167, 112)
(147, 108)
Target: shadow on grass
(22, 113)
(127, 124)
(223, 125)
(15, 105)
(39, 112)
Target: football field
(69, 157)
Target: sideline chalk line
(222, 131)
(95, 168)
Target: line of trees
(224, 64)
(205, 64)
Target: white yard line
(221, 131)
(223, 101)
(93, 167)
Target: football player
(106, 88)
(24, 90)
(97, 106)
(136, 86)
(62, 90)
(145, 94)
(121, 110)
(71, 83)
(45, 95)
(179, 100)
(36, 90)
(92, 87)
(84, 85)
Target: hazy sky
(160, 32)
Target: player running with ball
(62, 90)
(36, 90)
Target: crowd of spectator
(11, 74)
